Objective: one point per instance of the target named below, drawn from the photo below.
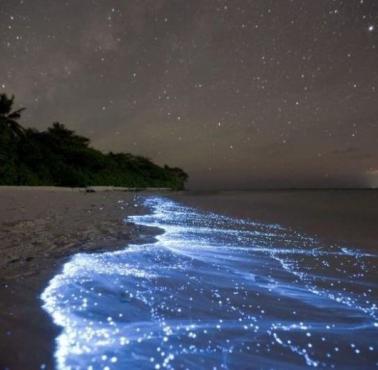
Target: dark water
(216, 292)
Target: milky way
(269, 93)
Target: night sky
(238, 93)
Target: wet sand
(39, 230)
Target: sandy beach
(39, 230)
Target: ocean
(215, 291)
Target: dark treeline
(59, 157)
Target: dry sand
(39, 229)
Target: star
(208, 75)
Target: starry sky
(239, 93)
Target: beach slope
(39, 229)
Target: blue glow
(215, 292)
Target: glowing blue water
(216, 293)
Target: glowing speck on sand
(215, 292)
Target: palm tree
(9, 118)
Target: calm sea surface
(217, 292)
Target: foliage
(60, 157)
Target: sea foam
(214, 292)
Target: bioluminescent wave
(215, 292)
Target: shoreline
(40, 230)
(87, 189)
(187, 277)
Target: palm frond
(16, 114)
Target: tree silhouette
(60, 157)
(9, 118)
(66, 136)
